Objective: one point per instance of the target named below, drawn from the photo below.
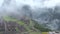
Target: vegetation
(28, 28)
(44, 32)
(32, 28)
(41, 27)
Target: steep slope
(51, 18)
(21, 26)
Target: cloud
(1, 1)
(36, 3)
(51, 3)
(39, 3)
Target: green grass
(31, 23)
(31, 32)
(44, 32)
(27, 27)
(19, 22)
(11, 19)
(35, 33)
(17, 29)
(7, 18)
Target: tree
(41, 27)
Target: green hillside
(29, 28)
(26, 26)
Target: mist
(41, 10)
(8, 6)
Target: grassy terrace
(35, 33)
(11, 19)
(22, 23)
(44, 32)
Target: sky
(1, 1)
(40, 3)
(36, 3)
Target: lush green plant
(41, 27)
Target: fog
(40, 10)
(35, 3)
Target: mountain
(48, 17)
(23, 26)
(14, 26)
